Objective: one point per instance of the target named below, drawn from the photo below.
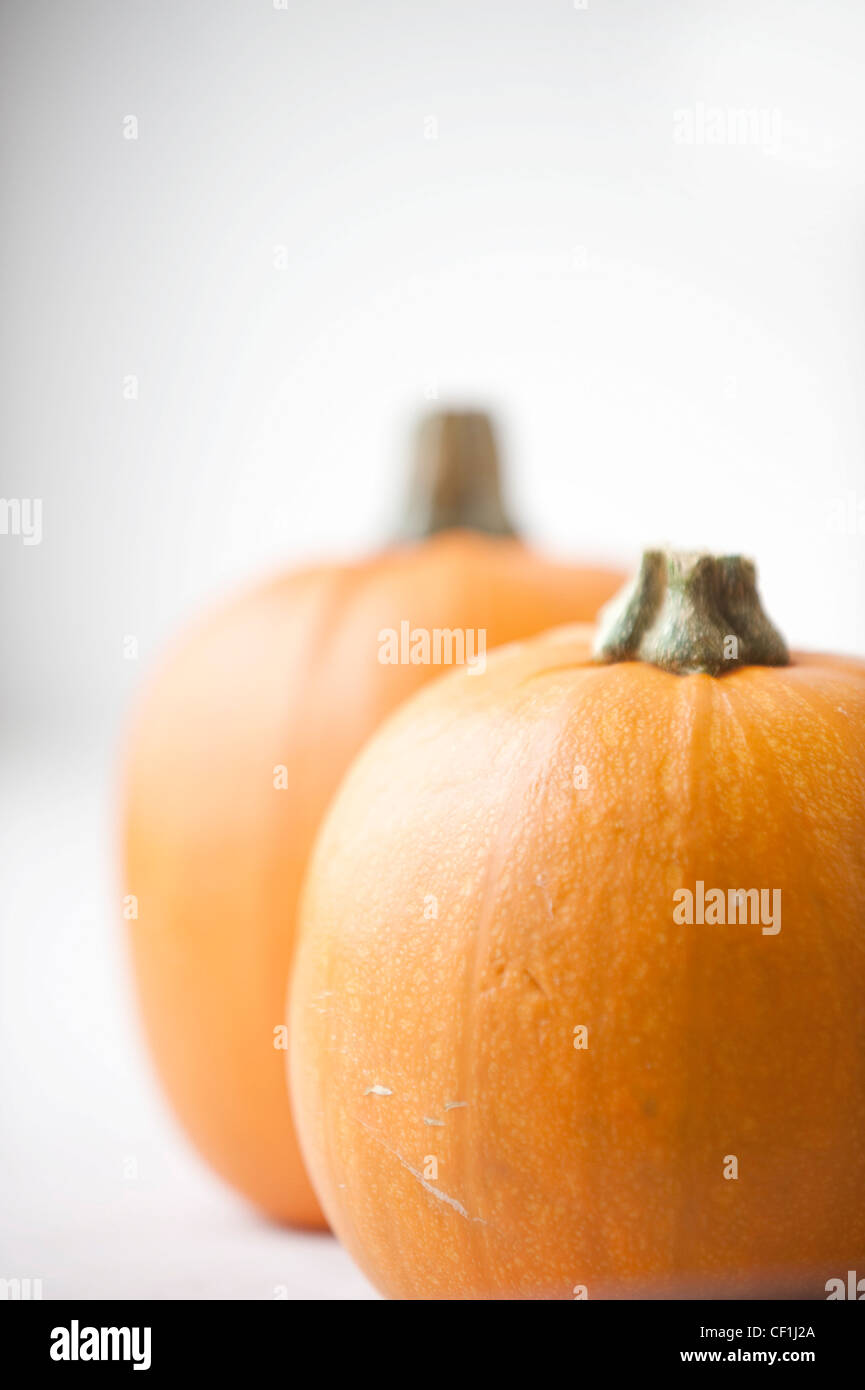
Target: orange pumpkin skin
(498, 870)
(289, 677)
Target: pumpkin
(240, 743)
(578, 1005)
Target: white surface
(101, 1196)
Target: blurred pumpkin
(520, 1068)
(238, 747)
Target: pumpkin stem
(688, 613)
(456, 478)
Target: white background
(671, 335)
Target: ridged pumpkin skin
(287, 676)
(474, 897)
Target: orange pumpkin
(240, 743)
(579, 995)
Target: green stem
(691, 613)
(456, 479)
